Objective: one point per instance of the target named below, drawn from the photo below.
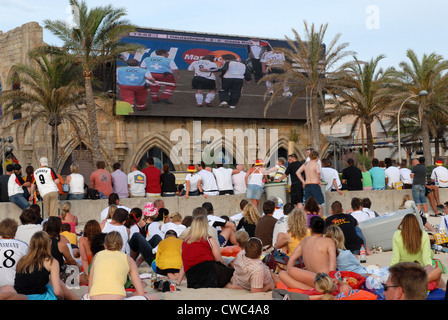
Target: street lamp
(420, 94)
(10, 148)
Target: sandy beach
(381, 259)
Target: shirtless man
(319, 256)
(312, 184)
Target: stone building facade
(125, 139)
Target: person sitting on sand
(109, 271)
(250, 272)
(319, 256)
(168, 257)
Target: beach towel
(353, 279)
(438, 264)
(357, 294)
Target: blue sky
(371, 27)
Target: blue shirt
(378, 177)
(131, 76)
(157, 64)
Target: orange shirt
(101, 180)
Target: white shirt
(196, 66)
(153, 229)
(123, 232)
(76, 183)
(329, 175)
(26, 231)
(223, 178)
(405, 176)
(137, 183)
(239, 183)
(11, 250)
(273, 59)
(281, 226)
(236, 70)
(360, 215)
(440, 175)
(370, 212)
(194, 179)
(209, 185)
(392, 175)
(45, 178)
(179, 228)
(14, 186)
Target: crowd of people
(108, 253)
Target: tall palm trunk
(315, 123)
(369, 138)
(93, 123)
(426, 142)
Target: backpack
(92, 194)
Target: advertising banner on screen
(186, 74)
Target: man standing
(119, 181)
(296, 185)
(312, 183)
(153, 187)
(418, 174)
(233, 75)
(204, 79)
(101, 180)
(163, 69)
(46, 181)
(132, 82)
(352, 176)
(136, 182)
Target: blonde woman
(37, 272)
(75, 182)
(297, 230)
(67, 217)
(249, 219)
(366, 177)
(199, 253)
(109, 271)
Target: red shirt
(152, 180)
(101, 180)
(195, 253)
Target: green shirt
(400, 254)
(366, 179)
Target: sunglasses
(385, 287)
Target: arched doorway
(83, 157)
(160, 158)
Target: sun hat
(149, 210)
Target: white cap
(44, 162)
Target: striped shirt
(250, 273)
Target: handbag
(65, 188)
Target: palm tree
(310, 68)
(94, 40)
(429, 75)
(361, 93)
(50, 91)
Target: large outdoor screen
(161, 76)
